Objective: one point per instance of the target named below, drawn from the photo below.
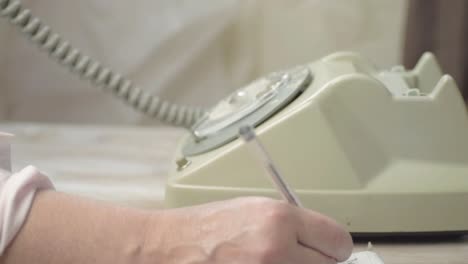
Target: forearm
(62, 228)
(66, 229)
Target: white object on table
(364, 257)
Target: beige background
(189, 51)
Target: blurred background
(196, 52)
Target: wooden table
(129, 165)
(124, 165)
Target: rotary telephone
(380, 151)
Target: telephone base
(381, 152)
(363, 215)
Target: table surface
(129, 166)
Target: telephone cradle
(380, 151)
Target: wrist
(67, 229)
(154, 238)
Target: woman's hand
(245, 230)
(63, 228)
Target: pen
(250, 137)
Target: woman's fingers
(303, 255)
(323, 234)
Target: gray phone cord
(63, 53)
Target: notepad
(364, 257)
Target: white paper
(364, 257)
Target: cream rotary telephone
(382, 152)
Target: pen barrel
(287, 193)
(249, 136)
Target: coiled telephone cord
(89, 69)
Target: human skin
(62, 228)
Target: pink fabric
(17, 191)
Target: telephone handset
(361, 145)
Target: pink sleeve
(17, 191)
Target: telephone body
(379, 151)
